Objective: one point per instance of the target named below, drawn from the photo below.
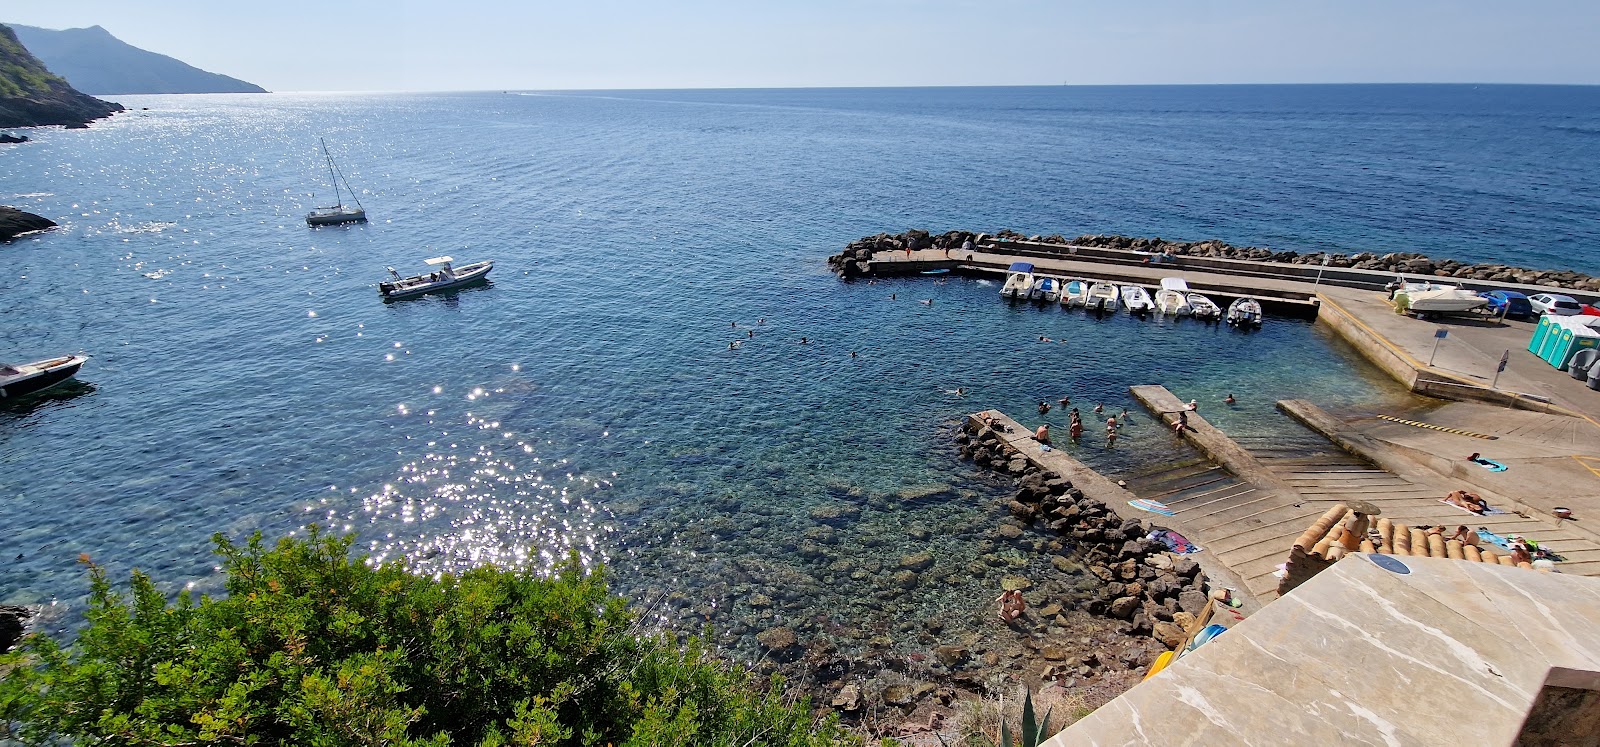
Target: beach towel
(1490, 512)
(1155, 507)
(1490, 464)
(1534, 548)
(1175, 542)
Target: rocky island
(14, 223)
(32, 96)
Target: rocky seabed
(853, 260)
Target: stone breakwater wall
(1155, 592)
(851, 261)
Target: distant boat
(1244, 312)
(27, 378)
(338, 213)
(1204, 308)
(1137, 299)
(1019, 280)
(443, 279)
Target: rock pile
(1156, 593)
(13, 623)
(852, 262)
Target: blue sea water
(246, 377)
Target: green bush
(312, 647)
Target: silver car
(1554, 304)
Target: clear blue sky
(408, 45)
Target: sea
(586, 403)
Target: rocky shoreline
(14, 223)
(852, 261)
(1156, 593)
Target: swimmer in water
(928, 302)
(852, 354)
(804, 341)
(1229, 399)
(733, 345)
(750, 333)
(1065, 400)
(892, 296)
(1099, 408)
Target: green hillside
(30, 95)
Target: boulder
(1159, 561)
(13, 622)
(917, 561)
(1185, 568)
(950, 656)
(1191, 601)
(905, 579)
(1124, 607)
(847, 699)
(781, 643)
(1170, 634)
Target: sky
(465, 45)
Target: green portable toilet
(1574, 338)
(1552, 338)
(1539, 334)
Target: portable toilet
(1539, 334)
(1552, 338)
(1581, 362)
(1575, 339)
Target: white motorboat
(338, 212)
(1244, 312)
(1102, 297)
(1076, 293)
(1173, 298)
(27, 378)
(1019, 280)
(1137, 299)
(1401, 285)
(1047, 289)
(444, 278)
(1438, 301)
(1203, 308)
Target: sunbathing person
(1466, 536)
(1468, 501)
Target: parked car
(1590, 309)
(1508, 303)
(1554, 304)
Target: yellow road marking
(1456, 431)
(1584, 460)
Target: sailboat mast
(331, 176)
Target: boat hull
(33, 381)
(469, 275)
(335, 217)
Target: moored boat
(1438, 301)
(446, 277)
(1244, 312)
(28, 378)
(1173, 298)
(1019, 280)
(1137, 299)
(1047, 289)
(1075, 292)
(1102, 297)
(338, 212)
(1203, 308)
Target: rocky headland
(32, 96)
(14, 223)
(852, 261)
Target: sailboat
(338, 213)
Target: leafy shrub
(312, 647)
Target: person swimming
(1229, 399)
(928, 302)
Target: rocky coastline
(32, 96)
(14, 223)
(852, 261)
(1155, 592)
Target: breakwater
(852, 261)
(1156, 593)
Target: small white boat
(442, 279)
(1019, 280)
(1401, 285)
(1102, 297)
(1047, 289)
(337, 213)
(1173, 298)
(27, 378)
(1244, 312)
(1137, 299)
(1203, 308)
(1075, 293)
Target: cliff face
(30, 95)
(93, 60)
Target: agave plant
(1032, 732)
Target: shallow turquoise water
(246, 377)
